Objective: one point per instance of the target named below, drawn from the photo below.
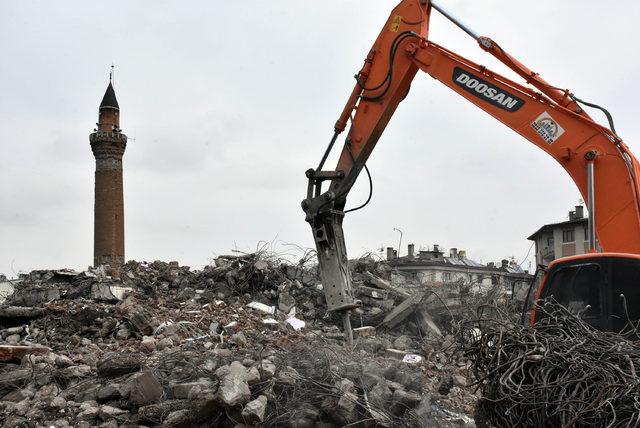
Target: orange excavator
(603, 284)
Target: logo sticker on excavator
(547, 128)
(486, 91)
(395, 24)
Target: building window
(568, 235)
(446, 276)
(550, 241)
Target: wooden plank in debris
(12, 353)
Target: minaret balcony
(105, 136)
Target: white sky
(230, 102)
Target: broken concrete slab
(255, 410)
(286, 302)
(287, 376)
(426, 322)
(136, 315)
(115, 364)
(182, 390)
(231, 328)
(347, 404)
(233, 389)
(267, 369)
(178, 418)
(108, 392)
(108, 293)
(33, 296)
(384, 285)
(158, 412)
(404, 343)
(403, 310)
(14, 379)
(108, 413)
(144, 389)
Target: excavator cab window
(600, 283)
(576, 287)
(625, 281)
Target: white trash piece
(412, 359)
(262, 307)
(296, 323)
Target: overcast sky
(227, 103)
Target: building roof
(551, 226)
(455, 262)
(109, 100)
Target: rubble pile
(563, 373)
(243, 342)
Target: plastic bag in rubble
(412, 359)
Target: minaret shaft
(108, 144)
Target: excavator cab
(604, 288)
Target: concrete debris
(144, 388)
(184, 390)
(115, 364)
(255, 410)
(286, 302)
(426, 322)
(234, 388)
(247, 339)
(403, 310)
(108, 293)
(403, 343)
(384, 285)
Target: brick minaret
(108, 144)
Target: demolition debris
(244, 342)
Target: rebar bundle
(563, 373)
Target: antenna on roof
(111, 74)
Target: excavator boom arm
(597, 160)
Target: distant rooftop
(457, 258)
(575, 217)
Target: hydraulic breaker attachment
(326, 225)
(332, 256)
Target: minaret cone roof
(109, 99)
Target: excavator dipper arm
(597, 160)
